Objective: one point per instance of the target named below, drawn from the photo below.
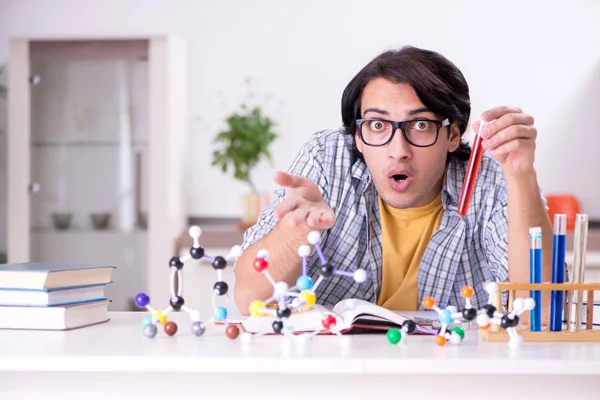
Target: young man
(384, 190)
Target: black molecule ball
(326, 270)
(469, 314)
(219, 263)
(283, 312)
(409, 326)
(176, 302)
(197, 252)
(221, 288)
(175, 262)
(277, 326)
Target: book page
(365, 313)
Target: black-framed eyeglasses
(418, 132)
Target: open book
(353, 316)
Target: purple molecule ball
(142, 300)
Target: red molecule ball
(170, 328)
(260, 264)
(232, 331)
(328, 322)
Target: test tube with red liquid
(471, 174)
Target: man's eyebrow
(377, 110)
(419, 111)
(410, 112)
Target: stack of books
(53, 296)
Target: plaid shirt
(463, 251)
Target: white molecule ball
(518, 304)
(515, 342)
(286, 343)
(195, 232)
(281, 288)
(303, 339)
(246, 338)
(491, 288)
(455, 339)
(236, 251)
(345, 342)
(360, 275)
(529, 303)
(483, 320)
(195, 316)
(314, 237)
(304, 251)
(262, 253)
(288, 326)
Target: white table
(115, 361)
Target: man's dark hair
(439, 84)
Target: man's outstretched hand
(303, 202)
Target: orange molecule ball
(170, 328)
(467, 292)
(428, 302)
(232, 331)
(260, 264)
(440, 340)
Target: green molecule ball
(459, 331)
(394, 336)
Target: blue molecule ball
(446, 317)
(220, 313)
(142, 300)
(304, 283)
(146, 321)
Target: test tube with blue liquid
(558, 271)
(535, 276)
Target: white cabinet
(97, 127)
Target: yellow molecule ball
(256, 308)
(160, 317)
(308, 298)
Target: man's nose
(398, 147)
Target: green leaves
(244, 143)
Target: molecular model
(508, 322)
(177, 302)
(485, 317)
(450, 315)
(299, 298)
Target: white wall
(542, 57)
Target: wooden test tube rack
(584, 334)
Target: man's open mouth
(400, 177)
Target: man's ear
(358, 141)
(454, 137)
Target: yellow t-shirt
(406, 234)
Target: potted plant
(245, 142)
